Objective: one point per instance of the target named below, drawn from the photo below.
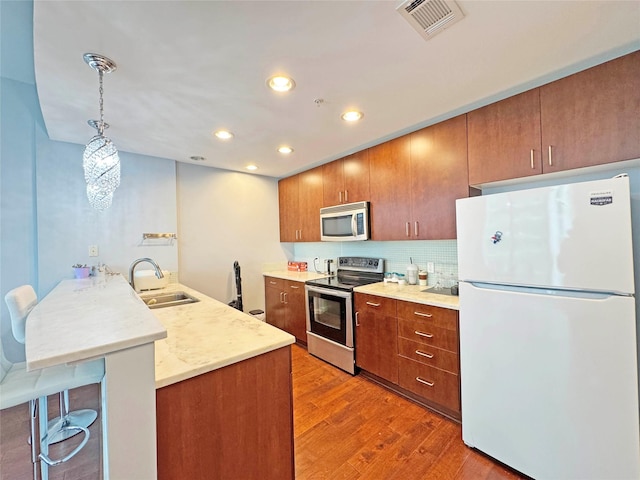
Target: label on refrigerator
(601, 198)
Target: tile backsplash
(443, 253)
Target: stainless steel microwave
(345, 223)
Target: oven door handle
(327, 291)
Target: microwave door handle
(354, 227)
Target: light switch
(430, 267)
(93, 250)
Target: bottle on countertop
(412, 273)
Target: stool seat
(19, 386)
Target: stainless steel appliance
(344, 223)
(330, 309)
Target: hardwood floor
(351, 428)
(345, 428)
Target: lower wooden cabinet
(285, 306)
(234, 422)
(376, 336)
(411, 346)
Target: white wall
(67, 224)
(226, 216)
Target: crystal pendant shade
(100, 161)
(101, 171)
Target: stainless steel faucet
(159, 273)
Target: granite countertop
(297, 276)
(410, 293)
(88, 318)
(208, 335)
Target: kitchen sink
(162, 300)
(439, 291)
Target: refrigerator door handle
(556, 292)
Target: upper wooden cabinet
(389, 181)
(504, 139)
(592, 117)
(300, 200)
(439, 176)
(415, 181)
(589, 118)
(346, 180)
(288, 206)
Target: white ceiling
(187, 68)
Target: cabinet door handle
(357, 323)
(272, 282)
(424, 354)
(293, 286)
(346, 196)
(428, 384)
(281, 293)
(300, 234)
(340, 196)
(415, 228)
(422, 334)
(420, 314)
(550, 161)
(371, 304)
(532, 164)
(296, 234)
(407, 228)
(285, 297)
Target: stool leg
(81, 418)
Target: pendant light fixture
(100, 161)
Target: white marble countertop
(88, 318)
(297, 276)
(410, 293)
(208, 335)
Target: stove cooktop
(353, 272)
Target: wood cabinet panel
(593, 116)
(234, 422)
(431, 383)
(346, 180)
(285, 306)
(310, 198)
(288, 208)
(439, 176)
(504, 139)
(296, 312)
(389, 178)
(421, 332)
(429, 314)
(376, 336)
(429, 355)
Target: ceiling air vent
(430, 17)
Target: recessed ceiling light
(285, 149)
(251, 167)
(223, 134)
(352, 116)
(281, 83)
(197, 158)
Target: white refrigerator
(548, 355)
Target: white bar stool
(19, 386)
(20, 302)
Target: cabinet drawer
(435, 357)
(436, 316)
(293, 286)
(428, 382)
(273, 282)
(421, 332)
(374, 304)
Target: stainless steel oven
(329, 303)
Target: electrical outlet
(431, 267)
(93, 250)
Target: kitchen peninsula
(101, 317)
(224, 393)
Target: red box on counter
(297, 266)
